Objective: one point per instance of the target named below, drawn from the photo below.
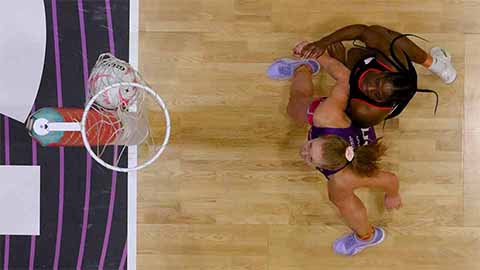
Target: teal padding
(52, 115)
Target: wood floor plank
(231, 192)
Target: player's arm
(341, 75)
(390, 185)
(374, 36)
(350, 32)
(337, 101)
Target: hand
(297, 50)
(392, 202)
(337, 51)
(313, 50)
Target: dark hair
(366, 161)
(404, 80)
(401, 86)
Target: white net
(119, 104)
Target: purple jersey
(353, 135)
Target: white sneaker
(442, 65)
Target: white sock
(436, 66)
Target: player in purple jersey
(346, 154)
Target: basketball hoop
(128, 136)
(116, 114)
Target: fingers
(396, 205)
(299, 47)
(304, 50)
(393, 204)
(311, 51)
(298, 51)
(315, 53)
(306, 53)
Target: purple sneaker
(350, 244)
(284, 68)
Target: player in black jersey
(383, 79)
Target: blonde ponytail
(366, 158)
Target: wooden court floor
(231, 191)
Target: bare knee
(290, 110)
(298, 118)
(297, 107)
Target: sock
(367, 236)
(305, 67)
(428, 62)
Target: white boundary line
(132, 150)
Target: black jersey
(363, 66)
